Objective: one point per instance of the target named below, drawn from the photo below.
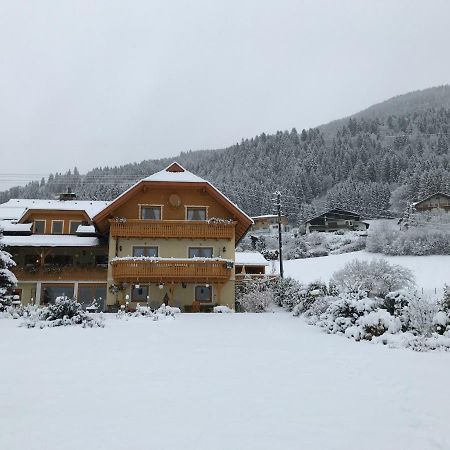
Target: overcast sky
(104, 82)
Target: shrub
(376, 277)
(65, 311)
(258, 299)
(345, 310)
(286, 292)
(424, 235)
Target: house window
(101, 260)
(150, 212)
(196, 213)
(139, 294)
(59, 260)
(39, 226)
(57, 226)
(51, 292)
(145, 251)
(88, 292)
(203, 294)
(74, 224)
(31, 260)
(200, 252)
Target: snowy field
(431, 272)
(213, 381)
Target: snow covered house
(438, 201)
(56, 248)
(169, 238)
(334, 220)
(250, 266)
(269, 223)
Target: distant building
(437, 201)
(269, 222)
(334, 220)
(250, 266)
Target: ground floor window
(88, 292)
(139, 294)
(50, 292)
(203, 294)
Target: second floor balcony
(181, 229)
(157, 270)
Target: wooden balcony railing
(179, 270)
(186, 229)
(60, 273)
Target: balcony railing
(178, 270)
(186, 229)
(53, 272)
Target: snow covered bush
(287, 292)
(7, 279)
(65, 311)
(424, 234)
(378, 322)
(421, 312)
(322, 244)
(344, 311)
(376, 278)
(255, 297)
(222, 309)
(162, 312)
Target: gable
(187, 194)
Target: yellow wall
(174, 248)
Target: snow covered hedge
(401, 319)
(323, 244)
(425, 234)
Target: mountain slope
(375, 161)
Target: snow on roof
(50, 240)
(9, 226)
(265, 216)
(85, 229)
(8, 212)
(181, 176)
(18, 206)
(250, 259)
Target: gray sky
(105, 82)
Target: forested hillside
(374, 163)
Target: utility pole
(280, 242)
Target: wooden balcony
(61, 273)
(181, 229)
(177, 270)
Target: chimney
(69, 195)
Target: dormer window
(39, 227)
(195, 213)
(57, 226)
(150, 212)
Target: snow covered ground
(431, 272)
(216, 381)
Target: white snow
(50, 240)
(85, 229)
(431, 272)
(181, 177)
(21, 205)
(216, 381)
(250, 259)
(9, 226)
